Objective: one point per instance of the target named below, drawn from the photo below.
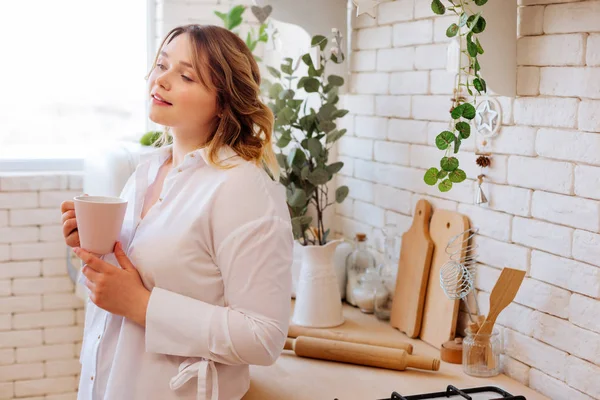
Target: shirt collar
(161, 154)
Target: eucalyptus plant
(308, 134)
(469, 24)
(234, 18)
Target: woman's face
(188, 105)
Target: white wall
(544, 210)
(41, 319)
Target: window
(72, 75)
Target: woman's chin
(157, 118)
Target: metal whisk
(462, 250)
(456, 282)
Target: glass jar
(357, 263)
(481, 354)
(369, 292)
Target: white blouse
(216, 252)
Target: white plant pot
(318, 299)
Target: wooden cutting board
(413, 273)
(440, 313)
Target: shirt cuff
(178, 325)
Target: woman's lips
(160, 102)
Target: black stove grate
(453, 391)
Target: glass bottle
(388, 268)
(356, 264)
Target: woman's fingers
(67, 215)
(67, 205)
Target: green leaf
(457, 176)
(234, 17)
(457, 143)
(314, 147)
(480, 25)
(318, 177)
(287, 94)
(285, 116)
(463, 19)
(300, 224)
(480, 2)
(301, 82)
(326, 126)
(338, 114)
(445, 185)
(464, 129)
(452, 30)
(479, 84)
(444, 139)
(457, 111)
(431, 176)
(335, 167)
(478, 44)
(304, 172)
(335, 80)
(325, 112)
(468, 111)
(334, 135)
(284, 140)
(221, 15)
(476, 66)
(437, 7)
(472, 49)
(476, 23)
(274, 90)
(298, 198)
(311, 85)
(281, 160)
(320, 40)
(341, 193)
(307, 60)
(442, 174)
(449, 163)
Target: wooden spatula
(502, 295)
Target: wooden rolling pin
(360, 354)
(294, 331)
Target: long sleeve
(255, 263)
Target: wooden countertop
(300, 378)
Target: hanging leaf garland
(468, 25)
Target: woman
(204, 284)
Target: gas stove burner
(452, 393)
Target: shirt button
(160, 199)
(99, 336)
(179, 170)
(92, 378)
(192, 155)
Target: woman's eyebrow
(187, 64)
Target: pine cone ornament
(483, 161)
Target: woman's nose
(163, 81)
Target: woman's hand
(69, 221)
(119, 291)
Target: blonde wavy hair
(226, 66)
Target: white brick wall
(39, 332)
(543, 214)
